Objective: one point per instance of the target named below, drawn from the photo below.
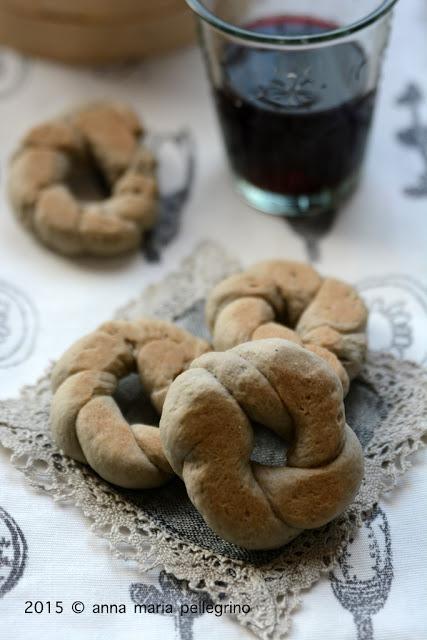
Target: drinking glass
(295, 84)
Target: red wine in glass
(295, 122)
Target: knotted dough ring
(207, 437)
(86, 422)
(290, 300)
(53, 155)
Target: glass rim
(240, 33)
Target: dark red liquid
(295, 122)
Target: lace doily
(387, 407)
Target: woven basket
(95, 31)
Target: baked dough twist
(207, 437)
(290, 300)
(58, 152)
(86, 422)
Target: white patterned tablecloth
(377, 241)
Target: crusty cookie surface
(207, 437)
(290, 300)
(87, 423)
(102, 139)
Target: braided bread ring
(86, 421)
(106, 135)
(325, 315)
(207, 437)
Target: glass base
(295, 206)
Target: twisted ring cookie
(290, 300)
(101, 138)
(207, 437)
(86, 422)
